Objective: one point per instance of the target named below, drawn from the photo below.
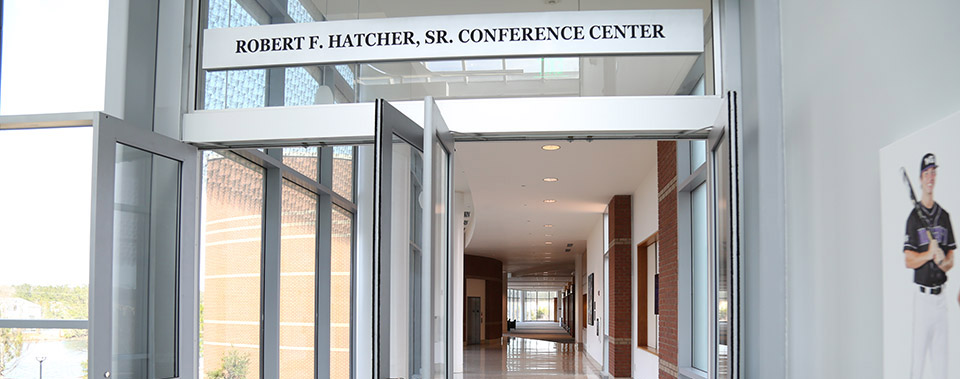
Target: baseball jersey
(929, 274)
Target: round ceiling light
(550, 180)
(550, 147)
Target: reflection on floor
(550, 331)
(526, 358)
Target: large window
(298, 260)
(513, 304)
(276, 272)
(44, 250)
(35, 78)
(539, 305)
(230, 265)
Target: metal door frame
(109, 131)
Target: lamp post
(41, 359)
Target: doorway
(442, 327)
(474, 320)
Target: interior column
(621, 294)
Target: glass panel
(230, 260)
(701, 288)
(304, 160)
(45, 270)
(698, 154)
(724, 257)
(236, 88)
(301, 86)
(58, 353)
(343, 168)
(648, 75)
(34, 77)
(298, 262)
(439, 236)
(145, 247)
(341, 254)
(405, 266)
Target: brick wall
(621, 296)
(667, 199)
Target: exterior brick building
(231, 280)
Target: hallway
(527, 358)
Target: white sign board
(621, 32)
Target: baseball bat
(916, 204)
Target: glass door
(438, 191)
(411, 243)
(723, 143)
(398, 243)
(143, 234)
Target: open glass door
(723, 162)
(438, 191)
(398, 242)
(412, 191)
(143, 311)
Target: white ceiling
(505, 180)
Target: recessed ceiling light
(550, 147)
(547, 225)
(548, 235)
(550, 179)
(550, 201)
(548, 243)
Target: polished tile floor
(526, 358)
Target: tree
(232, 366)
(11, 346)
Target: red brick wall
(621, 296)
(667, 185)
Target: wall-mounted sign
(454, 37)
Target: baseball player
(928, 249)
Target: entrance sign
(455, 37)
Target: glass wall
(235, 252)
(648, 75)
(514, 306)
(539, 305)
(230, 265)
(298, 275)
(44, 249)
(36, 78)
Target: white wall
(645, 223)
(579, 278)
(866, 75)
(592, 340)
(477, 288)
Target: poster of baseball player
(920, 185)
